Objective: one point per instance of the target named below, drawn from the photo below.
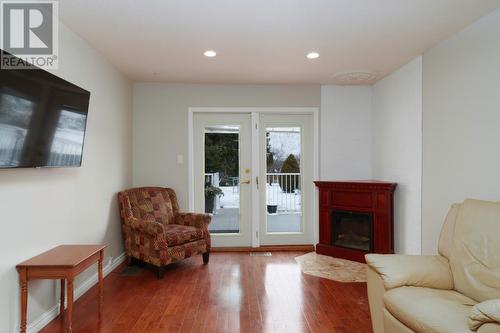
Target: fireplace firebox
(355, 218)
(352, 230)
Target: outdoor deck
(287, 219)
(226, 220)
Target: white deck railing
(284, 190)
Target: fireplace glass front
(352, 230)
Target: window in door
(222, 177)
(283, 179)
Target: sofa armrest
(397, 270)
(151, 228)
(197, 220)
(487, 312)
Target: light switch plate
(180, 159)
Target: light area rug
(336, 269)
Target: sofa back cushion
(447, 234)
(475, 256)
(152, 204)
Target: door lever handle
(245, 182)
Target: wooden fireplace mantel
(368, 196)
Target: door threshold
(266, 248)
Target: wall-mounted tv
(42, 119)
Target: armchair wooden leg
(131, 261)
(206, 257)
(160, 272)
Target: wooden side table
(63, 262)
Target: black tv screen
(42, 120)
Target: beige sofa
(456, 291)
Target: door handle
(245, 182)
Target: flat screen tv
(42, 120)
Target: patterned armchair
(156, 232)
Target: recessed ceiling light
(312, 55)
(210, 53)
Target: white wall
(397, 149)
(43, 208)
(461, 123)
(161, 123)
(345, 133)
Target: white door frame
(255, 111)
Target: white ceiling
(265, 41)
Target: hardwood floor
(235, 292)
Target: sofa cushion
(475, 257)
(485, 312)
(177, 234)
(427, 310)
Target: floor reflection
(235, 292)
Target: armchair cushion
(410, 270)
(483, 313)
(427, 310)
(151, 203)
(196, 220)
(177, 234)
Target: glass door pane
(222, 182)
(286, 168)
(283, 179)
(222, 177)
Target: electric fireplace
(355, 218)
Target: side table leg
(101, 254)
(70, 304)
(61, 305)
(24, 298)
(100, 282)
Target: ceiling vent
(354, 77)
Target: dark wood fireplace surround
(374, 197)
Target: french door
(223, 176)
(254, 173)
(286, 168)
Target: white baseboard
(91, 281)
(40, 322)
